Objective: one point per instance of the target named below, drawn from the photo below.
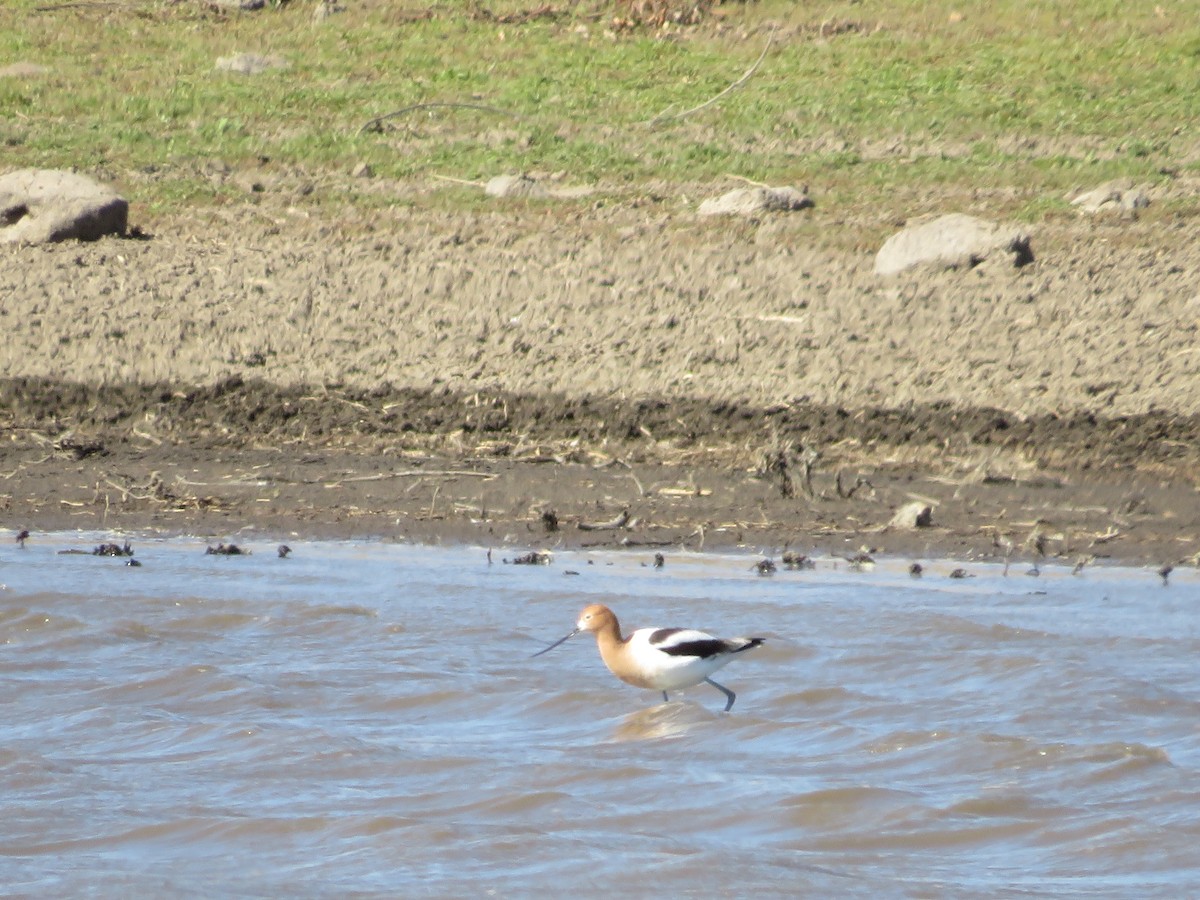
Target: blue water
(363, 719)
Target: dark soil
(253, 460)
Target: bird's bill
(561, 640)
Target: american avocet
(661, 659)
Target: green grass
(1040, 96)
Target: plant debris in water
(532, 558)
(227, 550)
(113, 550)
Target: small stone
(952, 241)
(253, 182)
(748, 201)
(47, 205)
(1118, 195)
(250, 63)
(913, 515)
(362, 170)
(514, 186)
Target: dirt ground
(611, 373)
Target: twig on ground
(618, 522)
(663, 117)
(641, 490)
(411, 473)
(147, 437)
(126, 493)
(22, 466)
(374, 124)
(745, 179)
(457, 180)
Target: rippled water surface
(364, 720)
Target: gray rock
(244, 5)
(514, 186)
(952, 241)
(748, 201)
(39, 206)
(250, 63)
(1119, 195)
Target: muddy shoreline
(247, 461)
(476, 375)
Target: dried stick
(22, 466)
(454, 180)
(619, 522)
(747, 180)
(411, 473)
(663, 117)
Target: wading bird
(660, 659)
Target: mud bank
(502, 377)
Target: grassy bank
(858, 99)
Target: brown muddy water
(363, 719)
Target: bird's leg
(729, 695)
(666, 699)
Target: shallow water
(364, 719)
